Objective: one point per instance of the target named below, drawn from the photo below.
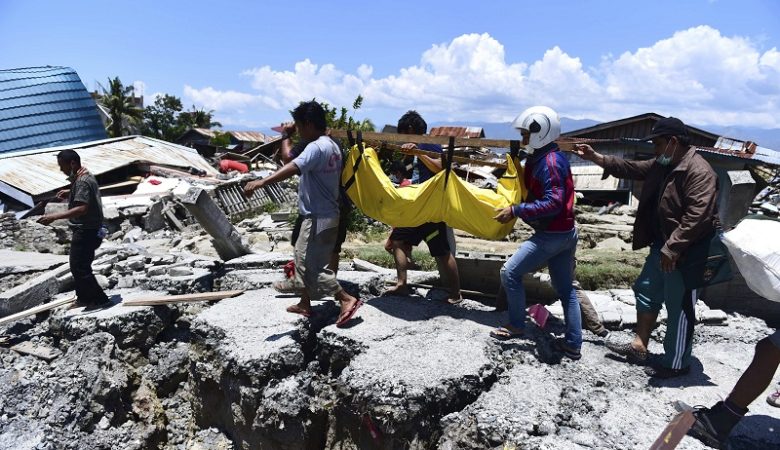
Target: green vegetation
(220, 139)
(270, 207)
(118, 99)
(375, 253)
(608, 269)
(165, 119)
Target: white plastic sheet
(755, 246)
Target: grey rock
(133, 327)
(180, 272)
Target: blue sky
(708, 62)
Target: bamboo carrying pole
(395, 138)
(458, 159)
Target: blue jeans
(557, 250)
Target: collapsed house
(622, 138)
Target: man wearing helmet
(677, 208)
(549, 209)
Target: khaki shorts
(312, 256)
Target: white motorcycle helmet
(542, 122)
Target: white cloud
(696, 74)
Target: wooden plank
(675, 431)
(42, 351)
(564, 143)
(424, 139)
(37, 309)
(185, 298)
(435, 155)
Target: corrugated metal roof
(248, 136)
(36, 172)
(588, 178)
(243, 136)
(761, 155)
(637, 127)
(461, 132)
(45, 106)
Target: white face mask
(664, 160)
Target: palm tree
(119, 100)
(199, 118)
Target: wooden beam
(186, 298)
(565, 143)
(434, 155)
(37, 309)
(674, 431)
(424, 139)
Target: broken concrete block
(737, 190)
(227, 241)
(30, 293)
(136, 264)
(264, 260)
(133, 235)
(624, 295)
(42, 351)
(154, 219)
(126, 282)
(103, 269)
(180, 271)
(102, 281)
(611, 318)
(713, 316)
(628, 318)
(157, 271)
(19, 262)
(134, 210)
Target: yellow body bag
(459, 204)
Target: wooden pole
(37, 309)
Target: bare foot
(299, 309)
(401, 289)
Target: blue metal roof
(46, 107)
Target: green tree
(161, 120)
(198, 118)
(220, 139)
(119, 100)
(340, 119)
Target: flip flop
(350, 313)
(295, 309)
(503, 334)
(454, 301)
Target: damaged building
(197, 352)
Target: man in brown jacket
(677, 207)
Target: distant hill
(769, 138)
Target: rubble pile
(242, 373)
(412, 372)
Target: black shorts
(344, 211)
(434, 234)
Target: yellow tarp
(461, 205)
